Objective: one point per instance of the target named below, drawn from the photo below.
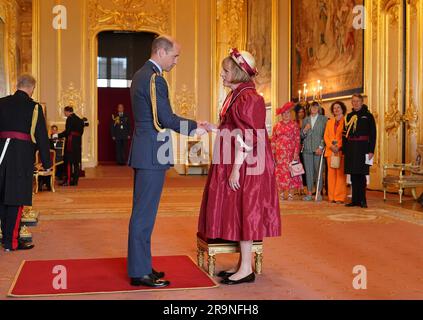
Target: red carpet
(36, 278)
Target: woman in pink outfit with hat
(240, 201)
(286, 147)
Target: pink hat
(286, 107)
(245, 61)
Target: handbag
(335, 161)
(296, 169)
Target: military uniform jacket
(73, 133)
(151, 149)
(16, 171)
(121, 127)
(360, 141)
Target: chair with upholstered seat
(40, 172)
(403, 176)
(216, 246)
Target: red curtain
(108, 99)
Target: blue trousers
(148, 186)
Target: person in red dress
(240, 200)
(286, 147)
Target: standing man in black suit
(22, 131)
(151, 155)
(73, 149)
(121, 132)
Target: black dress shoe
(352, 204)
(363, 204)
(21, 246)
(248, 279)
(158, 274)
(149, 281)
(225, 274)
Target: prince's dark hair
(69, 109)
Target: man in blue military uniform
(22, 131)
(120, 130)
(151, 155)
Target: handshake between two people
(204, 127)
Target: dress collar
(244, 85)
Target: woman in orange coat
(337, 187)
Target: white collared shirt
(313, 120)
(157, 65)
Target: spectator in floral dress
(286, 148)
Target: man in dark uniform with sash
(121, 133)
(22, 131)
(151, 155)
(359, 142)
(73, 149)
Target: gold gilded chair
(40, 172)
(403, 176)
(196, 157)
(217, 246)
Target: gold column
(419, 85)
(36, 46)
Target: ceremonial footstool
(215, 246)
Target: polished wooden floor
(314, 258)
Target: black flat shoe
(248, 279)
(158, 274)
(225, 274)
(149, 281)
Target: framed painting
(327, 49)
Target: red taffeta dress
(252, 212)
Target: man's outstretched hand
(205, 127)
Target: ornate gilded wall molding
(231, 31)
(375, 19)
(393, 116)
(185, 103)
(129, 15)
(392, 7)
(231, 17)
(71, 97)
(9, 13)
(411, 116)
(413, 4)
(25, 43)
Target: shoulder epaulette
(153, 94)
(34, 121)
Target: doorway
(120, 55)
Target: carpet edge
(15, 279)
(204, 271)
